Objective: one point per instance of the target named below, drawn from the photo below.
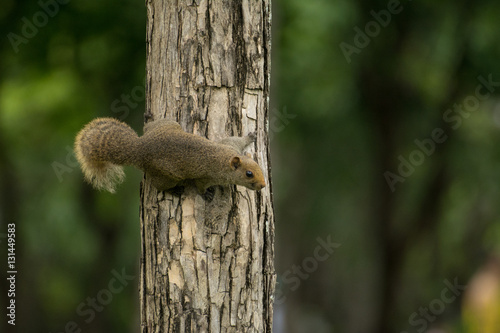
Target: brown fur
(168, 155)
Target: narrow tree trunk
(208, 266)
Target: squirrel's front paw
(209, 194)
(252, 136)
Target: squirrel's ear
(235, 162)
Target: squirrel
(168, 156)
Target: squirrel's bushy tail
(102, 147)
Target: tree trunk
(208, 266)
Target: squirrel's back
(101, 147)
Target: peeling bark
(208, 266)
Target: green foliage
(69, 238)
(353, 121)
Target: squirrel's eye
(249, 174)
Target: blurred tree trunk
(208, 266)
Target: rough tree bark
(208, 266)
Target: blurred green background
(385, 127)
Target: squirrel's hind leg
(162, 183)
(239, 143)
(162, 124)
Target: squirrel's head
(247, 173)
